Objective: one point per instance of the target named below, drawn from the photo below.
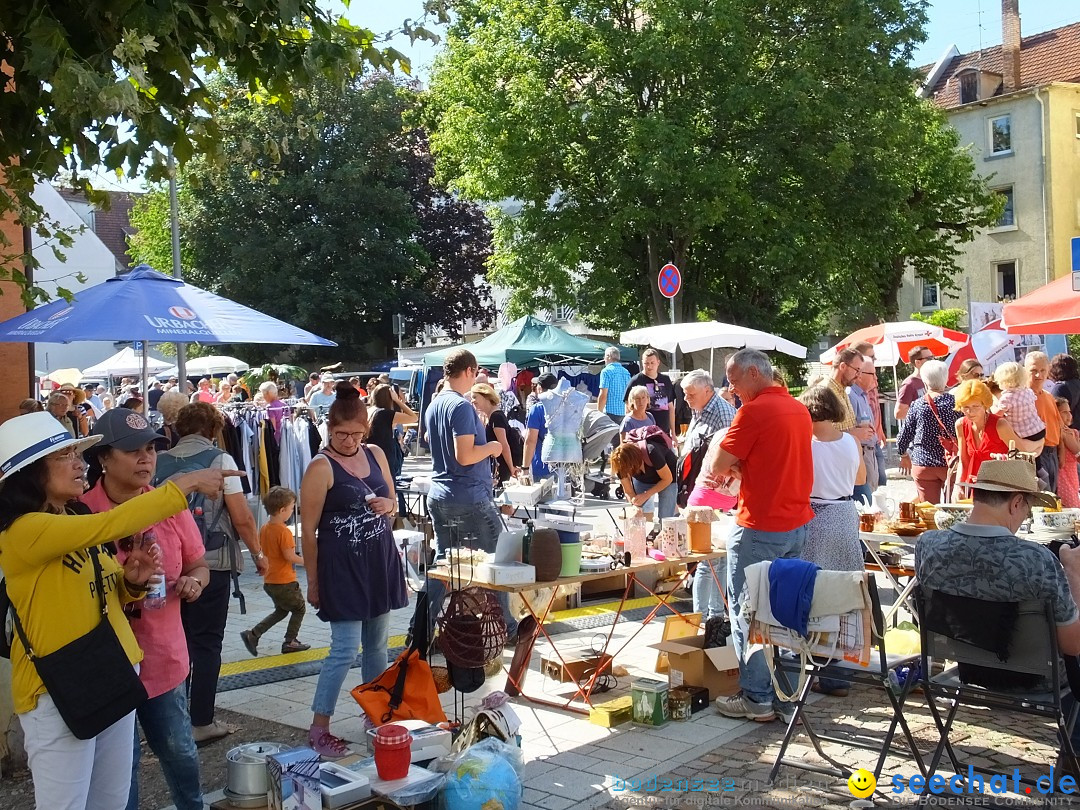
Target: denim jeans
(667, 498)
(746, 547)
(345, 637)
(167, 726)
(707, 598)
(476, 525)
(864, 493)
(882, 478)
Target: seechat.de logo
(183, 313)
(861, 783)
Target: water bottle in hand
(155, 597)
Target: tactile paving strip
(271, 672)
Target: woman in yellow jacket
(44, 543)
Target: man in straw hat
(982, 558)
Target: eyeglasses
(869, 373)
(926, 357)
(67, 456)
(342, 436)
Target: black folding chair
(1031, 651)
(876, 674)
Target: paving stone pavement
(572, 763)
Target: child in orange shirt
(280, 583)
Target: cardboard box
(690, 665)
(293, 780)
(506, 573)
(613, 712)
(342, 788)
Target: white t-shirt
(836, 464)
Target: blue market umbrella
(148, 306)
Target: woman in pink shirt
(121, 467)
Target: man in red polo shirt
(768, 447)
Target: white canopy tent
(125, 363)
(212, 365)
(701, 335)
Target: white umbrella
(125, 363)
(214, 364)
(701, 335)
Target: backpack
(641, 437)
(208, 513)
(689, 467)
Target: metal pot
(246, 771)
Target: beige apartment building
(1017, 109)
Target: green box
(650, 702)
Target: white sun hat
(25, 439)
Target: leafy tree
(775, 152)
(115, 83)
(326, 216)
(945, 318)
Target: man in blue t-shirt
(460, 502)
(537, 430)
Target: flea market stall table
(901, 574)
(583, 691)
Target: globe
(482, 782)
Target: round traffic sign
(670, 280)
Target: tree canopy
(776, 152)
(114, 84)
(325, 215)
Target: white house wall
(89, 256)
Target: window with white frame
(1005, 283)
(1078, 125)
(1008, 216)
(930, 296)
(1000, 135)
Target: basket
(472, 630)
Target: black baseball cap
(125, 430)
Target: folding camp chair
(1032, 650)
(876, 675)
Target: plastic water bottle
(155, 597)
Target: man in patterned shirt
(982, 558)
(711, 413)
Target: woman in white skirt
(832, 537)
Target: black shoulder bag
(90, 679)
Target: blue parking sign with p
(1076, 254)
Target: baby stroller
(597, 431)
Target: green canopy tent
(529, 342)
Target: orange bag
(405, 691)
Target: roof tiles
(1051, 56)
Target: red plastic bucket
(393, 752)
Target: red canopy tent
(1050, 310)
